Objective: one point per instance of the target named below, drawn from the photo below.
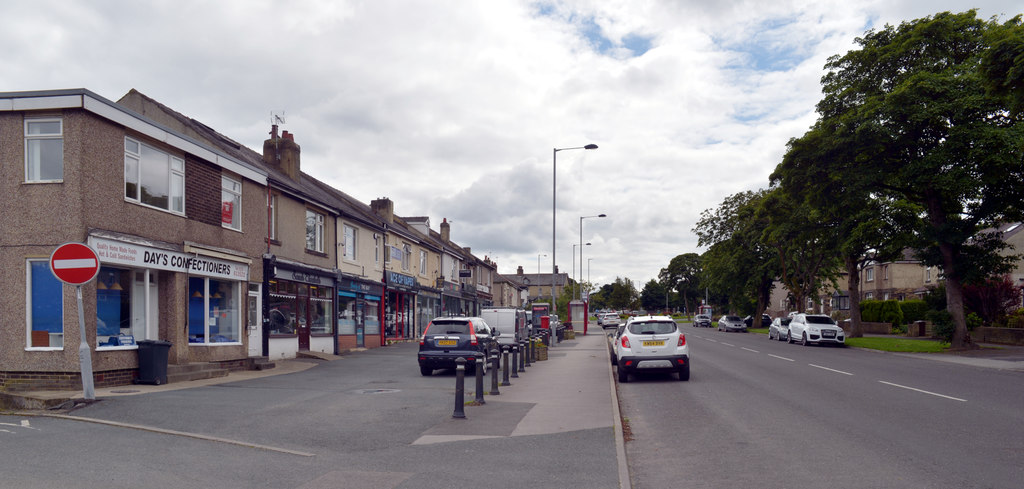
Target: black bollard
(494, 376)
(522, 356)
(515, 360)
(529, 350)
(480, 378)
(460, 388)
(504, 367)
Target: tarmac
(582, 396)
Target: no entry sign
(74, 263)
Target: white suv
(815, 328)
(652, 344)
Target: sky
(452, 108)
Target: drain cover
(375, 391)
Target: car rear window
(448, 327)
(652, 327)
(820, 320)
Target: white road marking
(781, 358)
(728, 344)
(922, 391)
(748, 349)
(829, 369)
(712, 340)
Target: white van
(510, 321)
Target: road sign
(74, 263)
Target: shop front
(139, 297)
(451, 299)
(428, 307)
(359, 303)
(399, 306)
(299, 310)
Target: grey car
(731, 323)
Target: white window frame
(423, 263)
(175, 176)
(34, 168)
(869, 274)
(272, 205)
(231, 187)
(350, 236)
(406, 256)
(28, 308)
(317, 231)
(376, 250)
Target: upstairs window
(423, 263)
(406, 257)
(44, 150)
(376, 249)
(314, 231)
(272, 204)
(350, 243)
(230, 203)
(153, 177)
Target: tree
(682, 275)
(1002, 64)
(867, 227)
(912, 103)
(654, 296)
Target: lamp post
(581, 266)
(538, 262)
(588, 274)
(581, 240)
(554, 193)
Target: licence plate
(828, 334)
(446, 342)
(653, 343)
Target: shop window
(44, 150)
(153, 177)
(372, 320)
(320, 310)
(121, 307)
(231, 203)
(44, 295)
(347, 311)
(214, 312)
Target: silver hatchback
(731, 323)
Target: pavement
(558, 402)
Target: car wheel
(789, 338)
(426, 371)
(684, 374)
(623, 375)
(803, 340)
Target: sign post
(77, 264)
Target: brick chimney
(282, 153)
(384, 208)
(446, 230)
(520, 270)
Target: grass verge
(898, 344)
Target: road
(760, 413)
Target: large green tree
(682, 275)
(912, 101)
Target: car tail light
(625, 342)
(682, 340)
(423, 338)
(472, 334)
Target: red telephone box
(578, 316)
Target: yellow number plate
(446, 342)
(653, 343)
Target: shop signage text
(395, 278)
(121, 253)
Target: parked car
(731, 323)
(652, 344)
(779, 329)
(815, 328)
(608, 320)
(766, 321)
(702, 321)
(613, 338)
(448, 338)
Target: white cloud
(451, 108)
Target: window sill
(316, 253)
(117, 348)
(222, 343)
(44, 348)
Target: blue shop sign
(395, 278)
(359, 287)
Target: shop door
(302, 328)
(143, 297)
(360, 324)
(255, 321)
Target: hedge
(881, 312)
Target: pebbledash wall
(178, 275)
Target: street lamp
(554, 193)
(581, 240)
(574, 264)
(538, 263)
(588, 274)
